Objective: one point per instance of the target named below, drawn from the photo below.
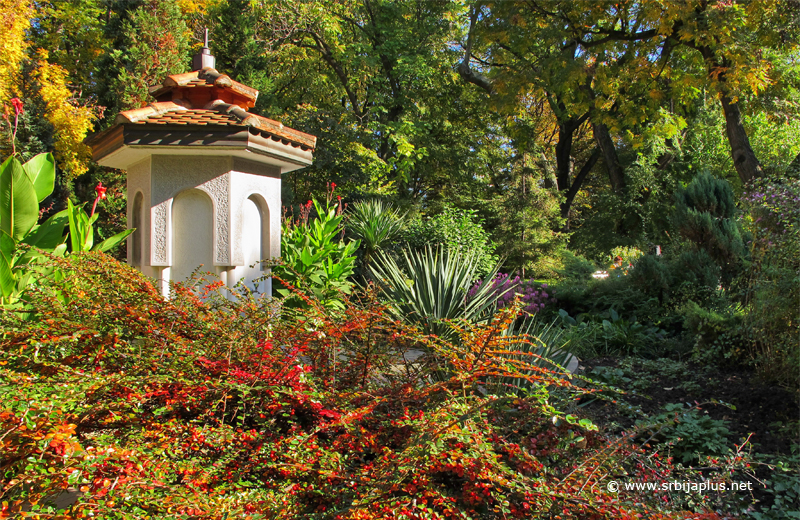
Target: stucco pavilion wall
(228, 182)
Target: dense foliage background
(499, 188)
(557, 123)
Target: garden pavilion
(203, 177)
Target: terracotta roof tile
(192, 116)
(207, 77)
(216, 113)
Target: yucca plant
(533, 344)
(375, 223)
(429, 288)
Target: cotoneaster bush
(203, 408)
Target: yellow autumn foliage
(14, 21)
(71, 122)
(196, 7)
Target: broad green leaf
(306, 257)
(50, 234)
(80, 228)
(19, 207)
(7, 249)
(75, 229)
(113, 241)
(42, 172)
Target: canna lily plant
(81, 233)
(314, 257)
(22, 188)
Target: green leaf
(42, 172)
(50, 234)
(80, 228)
(7, 249)
(19, 207)
(74, 227)
(305, 257)
(113, 241)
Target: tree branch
(464, 70)
(578, 182)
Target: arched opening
(255, 242)
(137, 253)
(192, 234)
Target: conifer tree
(155, 43)
(705, 217)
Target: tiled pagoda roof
(217, 112)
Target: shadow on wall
(192, 233)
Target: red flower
(333, 186)
(101, 194)
(17, 104)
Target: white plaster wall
(243, 223)
(192, 234)
(243, 186)
(138, 180)
(136, 250)
(254, 247)
(263, 191)
(173, 174)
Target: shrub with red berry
(200, 407)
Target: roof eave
(126, 144)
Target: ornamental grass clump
(208, 408)
(376, 224)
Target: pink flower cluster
(534, 295)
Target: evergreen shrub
(704, 217)
(455, 229)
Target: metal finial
(203, 59)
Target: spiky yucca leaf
(537, 344)
(375, 223)
(429, 288)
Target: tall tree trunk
(616, 174)
(577, 183)
(566, 130)
(550, 180)
(744, 158)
